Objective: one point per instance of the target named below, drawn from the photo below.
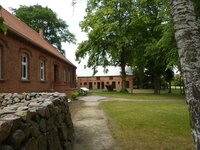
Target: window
(24, 67)
(98, 78)
(69, 76)
(42, 66)
(64, 75)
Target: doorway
(127, 84)
(90, 85)
(102, 85)
(98, 85)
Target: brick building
(28, 63)
(85, 78)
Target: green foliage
(177, 80)
(138, 33)
(38, 17)
(197, 11)
(3, 28)
(80, 92)
(142, 94)
(156, 51)
(163, 83)
(110, 29)
(149, 125)
(126, 91)
(74, 95)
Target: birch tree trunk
(188, 43)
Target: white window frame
(42, 69)
(65, 75)
(24, 67)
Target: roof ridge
(22, 29)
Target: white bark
(188, 43)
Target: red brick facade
(59, 73)
(99, 82)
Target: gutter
(38, 46)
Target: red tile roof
(17, 26)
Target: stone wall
(35, 121)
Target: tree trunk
(157, 83)
(152, 81)
(141, 75)
(170, 87)
(188, 43)
(123, 76)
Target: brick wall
(100, 82)
(11, 81)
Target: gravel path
(91, 131)
(100, 98)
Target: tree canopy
(38, 17)
(126, 32)
(158, 46)
(110, 35)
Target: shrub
(80, 92)
(74, 95)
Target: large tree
(156, 49)
(110, 29)
(188, 43)
(55, 30)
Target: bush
(74, 95)
(80, 92)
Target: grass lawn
(142, 94)
(149, 125)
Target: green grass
(141, 94)
(149, 125)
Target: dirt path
(91, 131)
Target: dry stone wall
(35, 121)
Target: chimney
(41, 32)
(84, 66)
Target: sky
(65, 11)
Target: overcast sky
(66, 12)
